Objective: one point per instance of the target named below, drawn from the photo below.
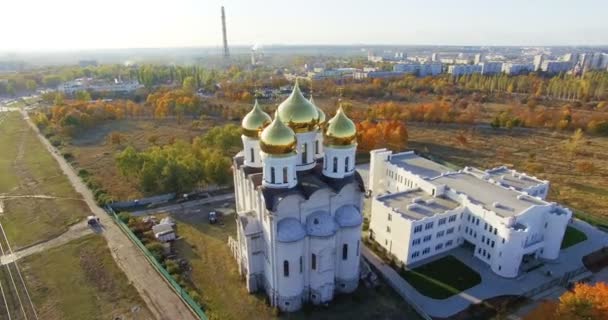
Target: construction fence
(194, 306)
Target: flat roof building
(421, 208)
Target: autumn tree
(589, 302)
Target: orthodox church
(298, 201)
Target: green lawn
(80, 280)
(215, 274)
(572, 237)
(442, 278)
(27, 168)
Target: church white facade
(421, 208)
(298, 201)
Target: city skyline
(187, 23)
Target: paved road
(184, 205)
(160, 298)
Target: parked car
(212, 217)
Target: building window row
(440, 234)
(427, 238)
(417, 229)
(416, 242)
(428, 225)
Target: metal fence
(558, 281)
(194, 306)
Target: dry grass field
(92, 150)
(80, 280)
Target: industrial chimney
(226, 53)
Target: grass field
(572, 237)
(442, 278)
(29, 170)
(92, 151)
(80, 280)
(214, 272)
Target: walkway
(492, 285)
(74, 232)
(160, 298)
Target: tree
(31, 85)
(83, 95)
(58, 101)
(575, 142)
(589, 302)
(189, 85)
(115, 138)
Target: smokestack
(226, 53)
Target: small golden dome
(321, 118)
(277, 138)
(255, 121)
(340, 130)
(297, 112)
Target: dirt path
(74, 232)
(161, 299)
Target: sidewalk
(491, 285)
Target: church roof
(290, 230)
(309, 182)
(348, 216)
(320, 224)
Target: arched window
(284, 174)
(252, 155)
(346, 164)
(301, 265)
(335, 164)
(286, 268)
(316, 146)
(305, 153)
(271, 174)
(313, 261)
(344, 252)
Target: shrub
(172, 267)
(157, 250)
(125, 217)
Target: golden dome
(321, 118)
(340, 130)
(297, 112)
(277, 138)
(255, 121)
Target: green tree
(189, 84)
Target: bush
(172, 267)
(157, 250)
(125, 217)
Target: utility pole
(226, 53)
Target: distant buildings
(435, 57)
(517, 68)
(421, 208)
(96, 85)
(386, 56)
(464, 69)
(491, 68)
(478, 58)
(419, 69)
(555, 67)
(538, 61)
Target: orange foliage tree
(589, 302)
(390, 134)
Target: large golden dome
(321, 118)
(340, 130)
(255, 121)
(277, 138)
(297, 112)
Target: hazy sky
(75, 24)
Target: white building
(538, 61)
(421, 208)
(490, 67)
(419, 69)
(517, 68)
(555, 67)
(464, 69)
(298, 201)
(90, 84)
